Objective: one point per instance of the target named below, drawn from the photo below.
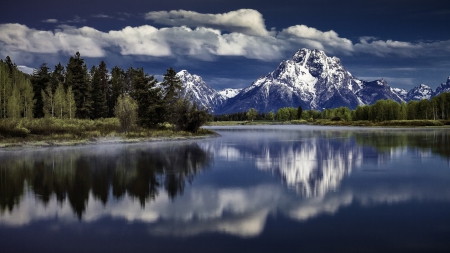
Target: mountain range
(309, 79)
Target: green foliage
(172, 87)
(190, 117)
(149, 99)
(77, 78)
(286, 114)
(40, 80)
(271, 116)
(299, 112)
(126, 112)
(99, 91)
(251, 114)
(48, 102)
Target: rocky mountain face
(314, 81)
(229, 92)
(444, 87)
(310, 79)
(419, 92)
(199, 91)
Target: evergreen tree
(299, 112)
(77, 77)
(148, 98)
(117, 88)
(99, 105)
(172, 86)
(40, 81)
(57, 76)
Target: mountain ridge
(309, 79)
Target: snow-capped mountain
(444, 87)
(314, 81)
(419, 92)
(203, 94)
(229, 92)
(310, 79)
(401, 92)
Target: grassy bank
(51, 131)
(326, 122)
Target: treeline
(438, 108)
(75, 91)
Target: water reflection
(72, 174)
(322, 171)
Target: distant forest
(438, 108)
(75, 91)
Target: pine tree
(172, 86)
(40, 81)
(77, 77)
(58, 76)
(148, 98)
(99, 103)
(117, 88)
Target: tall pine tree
(77, 79)
(40, 81)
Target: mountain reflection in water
(321, 171)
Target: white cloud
(310, 37)
(143, 40)
(240, 33)
(246, 21)
(388, 48)
(25, 69)
(68, 40)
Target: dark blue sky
(407, 42)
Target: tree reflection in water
(73, 173)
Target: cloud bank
(193, 35)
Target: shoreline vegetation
(46, 132)
(326, 122)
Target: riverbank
(325, 122)
(57, 132)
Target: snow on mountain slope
(419, 92)
(312, 80)
(203, 94)
(229, 92)
(400, 92)
(444, 87)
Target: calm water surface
(254, 189)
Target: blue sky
(231, 43)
